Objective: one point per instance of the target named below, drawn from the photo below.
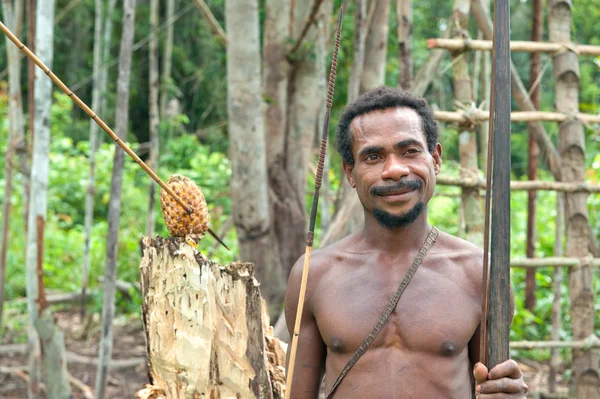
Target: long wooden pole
(315, 207)
(99, 121)
(515, 46)
(496, 311)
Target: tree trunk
(114, 206)
(15, 134)
(167, 59)
(349, 215)
(153, 107)
(572, 150)
(91, 189)
(405, 27)
(470, 200)
(557, 279)
(106, 44)
(247, 146)
(533, 151)
(285, 202)
(210, 337)
(50, 336)
(376, 47)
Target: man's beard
(391, 221)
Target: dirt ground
(82, 338)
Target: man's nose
(394, 169)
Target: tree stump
(207, 333)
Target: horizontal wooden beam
(554, 262)
(480, 116)
(529, 185)
(515, 46)
(591, 342)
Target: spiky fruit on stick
(179, 222)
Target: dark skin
(431, 340)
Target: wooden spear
(315, 206)
(496, 317)
(100, 122)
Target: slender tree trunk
(89, 198)
(358, 58)
(405, 27)
(248, 150)
(106, 44)
(50, 336)
(15, 134)
(349, 215)
(470, 201)
(376, 47)
(557, 279)
(572, 151)
(167, 59)
(533, 151)
(114, 206)
(27, 150)
(153, 113)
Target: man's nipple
(448, 348)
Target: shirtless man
(388, 141)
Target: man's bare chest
(436, 314)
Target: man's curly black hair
(382, 98)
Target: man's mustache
(401, 185)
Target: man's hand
(503, 381)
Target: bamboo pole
(515, 46)
(592, 342)
(554, 262)
(528, 185)
(479, 116)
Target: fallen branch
(72, 357)
(516, 46)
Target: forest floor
(129, 353)
(81, 338)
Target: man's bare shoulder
(462, 253)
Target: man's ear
(437, 158)
(348, 171)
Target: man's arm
(311, 351)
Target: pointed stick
(313, 213)
(100, 122)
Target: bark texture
(470, 200)
(106, 44)
(248, 149)
(167, 59)
(207, 334)
(405, 27)
(572, 151)
(114, 206)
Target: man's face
(394, 172)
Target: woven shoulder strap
(387, 311)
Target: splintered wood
(207, 333)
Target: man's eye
(372, 157)
(412, 151)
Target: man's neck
(400, 240)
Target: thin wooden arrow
(100, 123)
(315, 206)
(496, 317)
